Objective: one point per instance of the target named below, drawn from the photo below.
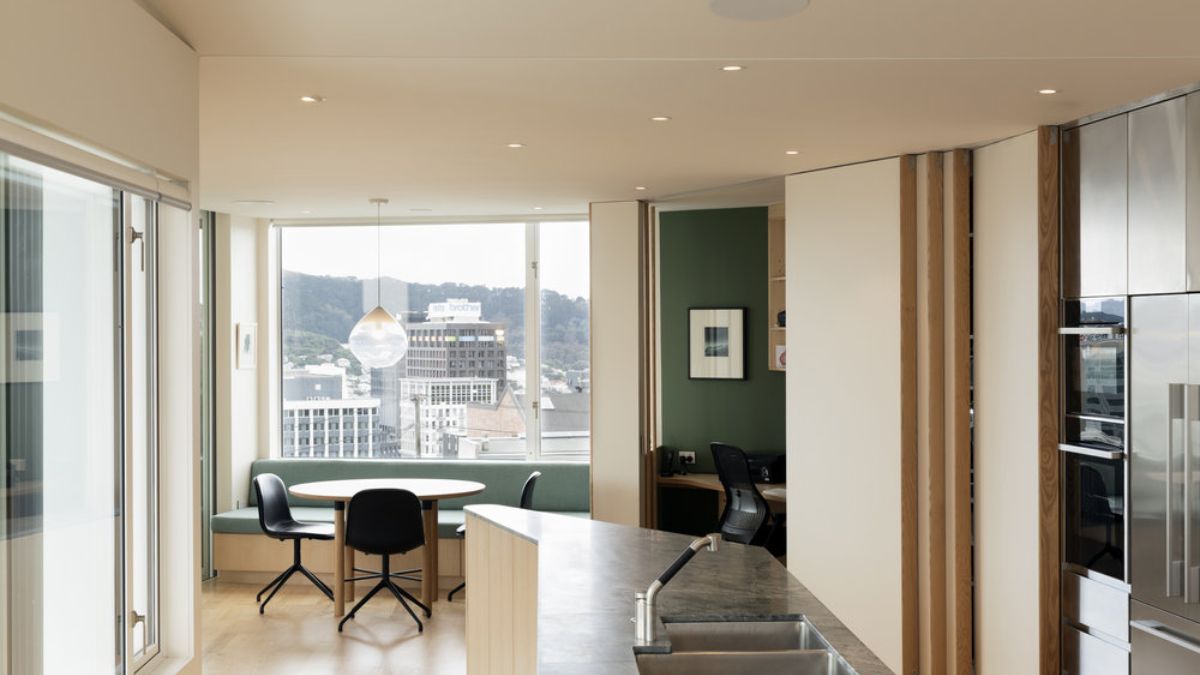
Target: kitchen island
(556, 593)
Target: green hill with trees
(320, 311)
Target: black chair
(275, 519)
(385, 523)
(747, 518)
(526, 502)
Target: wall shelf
(776, 290)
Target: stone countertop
(589, 570)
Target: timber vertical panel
(934, 408)
(909, 603)
(959, 417)
(1048, 397)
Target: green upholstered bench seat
(245, 521)
(563, 487)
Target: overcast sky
(490, 254)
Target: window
(476, 299)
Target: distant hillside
(319, 312)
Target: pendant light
(378, 340)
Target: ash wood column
(1049, 291)
(502, 593)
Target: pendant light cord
(378, 254)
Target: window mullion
(533, 360)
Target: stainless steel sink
(743, 636)
(791, 662)
(752, 647)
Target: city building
(454, 358)
(456, 342)
(500, 429)
(314, 382)
(436, 407)
(331, 428)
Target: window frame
(532, 315)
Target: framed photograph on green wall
(717, 343)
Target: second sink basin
(743, 636)
(792, 662)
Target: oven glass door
(1094, 513)
(1094, 359)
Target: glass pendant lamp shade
(378, 340)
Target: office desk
(710, 481)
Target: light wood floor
(298, 634)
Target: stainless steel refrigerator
(1164, 509)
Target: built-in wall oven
(1094, 486)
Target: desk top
(710, 481)
(426, 489)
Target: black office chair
(1095, 510)
(275, 519)
(385, 523)
(526, 502)
(747, 518)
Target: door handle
(1191, 577)
(1164, 632)
(134, 620)
(139, 237)
(1175, 413)
(1092, 330)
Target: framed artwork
(30, 342)
(717, 343)
(247, 346)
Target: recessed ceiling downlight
(660, 118)
(639, 188)
(1047, 92)
(516, 146)
(732, 68)
(757, 10)
(312, 98)
(791, 152)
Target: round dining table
(428, 490)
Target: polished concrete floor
(298, 634)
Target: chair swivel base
(385, 581)
(282, 579)
(450, 595)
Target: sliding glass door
(78, 505)
(61, 411)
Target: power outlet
(687, 458)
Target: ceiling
(422, 96)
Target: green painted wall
(715, 258)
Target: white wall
(237, 389)
(1006, 414)
(104, 71)
(843, 395)
(616, 460)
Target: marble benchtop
(589, 570)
